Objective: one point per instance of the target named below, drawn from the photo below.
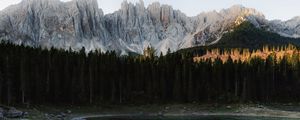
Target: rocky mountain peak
(80, 23)
(239, 10)
(41, 3)
(297, 17)
(86, 4)
(141, 3)
(294, 19)
(162, 13)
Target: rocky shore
(81, 112)
(11, 112)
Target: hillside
(246, 35)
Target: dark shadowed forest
(39, 76)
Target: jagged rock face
(80, 23)
(135, 27)
(50, 23)
(290, 28)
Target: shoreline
(184, 115)
(181, 110)
(244, 111)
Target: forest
(41, 76)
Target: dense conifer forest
(37, 76)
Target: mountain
(290, 28)
(246, 35)
(80, 23)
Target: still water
(191, 118)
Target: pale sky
(273, 9)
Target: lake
(191, 118)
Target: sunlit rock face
(80, 23)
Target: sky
(272, 9)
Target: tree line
(40, 76)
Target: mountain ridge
(81, 23)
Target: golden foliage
(244, 55)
